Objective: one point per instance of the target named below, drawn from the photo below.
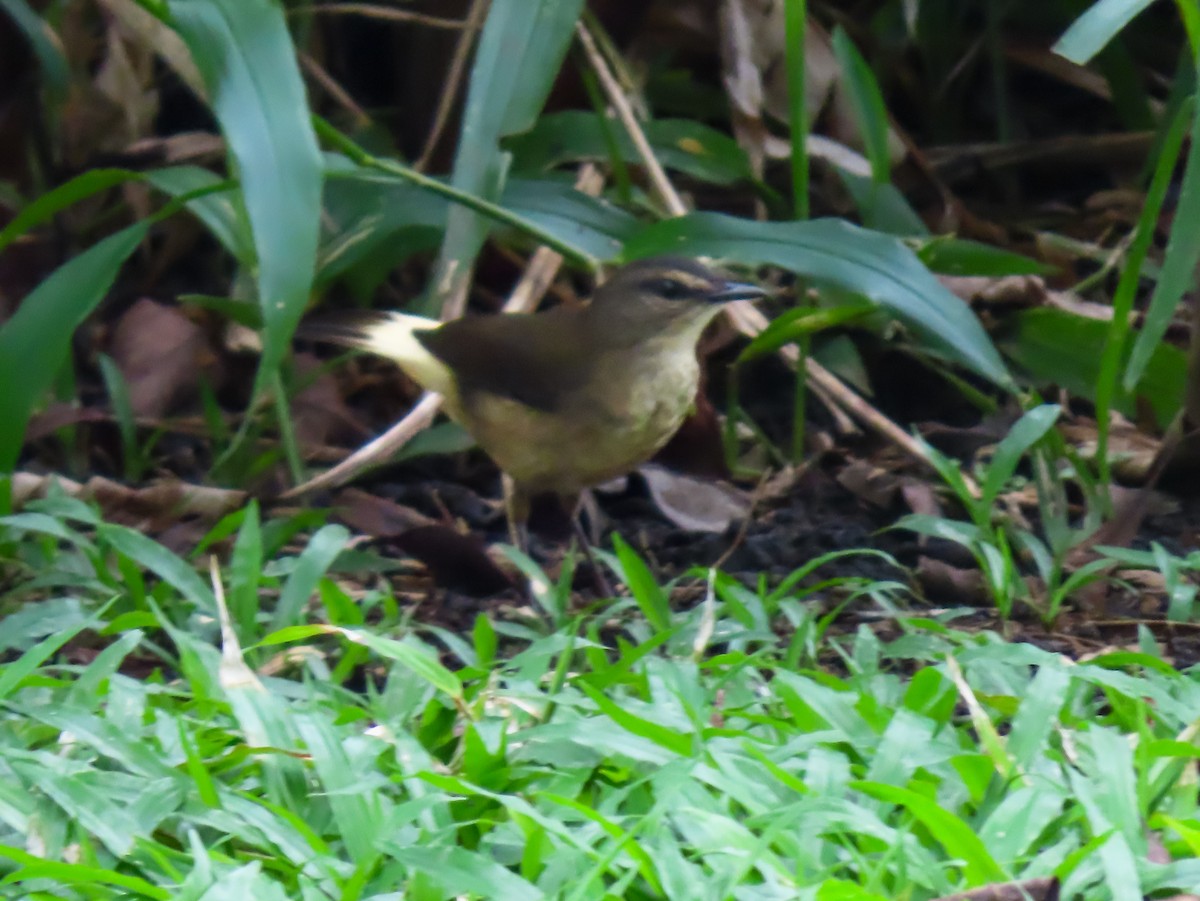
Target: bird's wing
(538, 360)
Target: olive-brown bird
(568, 398)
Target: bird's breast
(629, 406)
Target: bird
(570, 397)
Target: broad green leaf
(1055, 348)
(266, 123)
(460, 873)
(960, 256)
(628, 842)
(35, 869)
(31, 521)
(1111, 797)
(595, 226)
(650, 597)
(245, 574)
(106, 664)
(1016, 825)
(35, 341)
(1028, 736)
(879, 267)
(416, 658)
(12, 674)
(85, 798)
(357, 810)
(676, 742)
(956, 837)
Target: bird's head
(664, 296)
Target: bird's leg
(600, 581)
(516, 511)
(587, 504)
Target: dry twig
(454, 77)
(388, 13)
(334, 90)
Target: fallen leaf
(161, 354)
(155, 506)
(319, 413)
(696, 505)
(376, 516)
(947, 584)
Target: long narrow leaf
(245, 56)
(61, 197)
(1179, 266)
(1027, 431)
(35, 341)
(1090, 32)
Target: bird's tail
(391, 335)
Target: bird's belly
(586, 441)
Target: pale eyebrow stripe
(687, 279)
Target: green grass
(735, 750)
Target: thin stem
(287, 434)
(800, 400)
(795, 13)
(458, 68)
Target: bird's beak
(736, 291)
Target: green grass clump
(145, 754)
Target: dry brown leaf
(754, 58)
(149, 32)
(319, 413)
(57, 415)
(696, 505)
(1009, 291)
(157, 502)
(944, 583)
(921, 497)
(1130, 449)
(871, 483)
(125, 79)
(161, 354)
(376, 516)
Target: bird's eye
(670, 289)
